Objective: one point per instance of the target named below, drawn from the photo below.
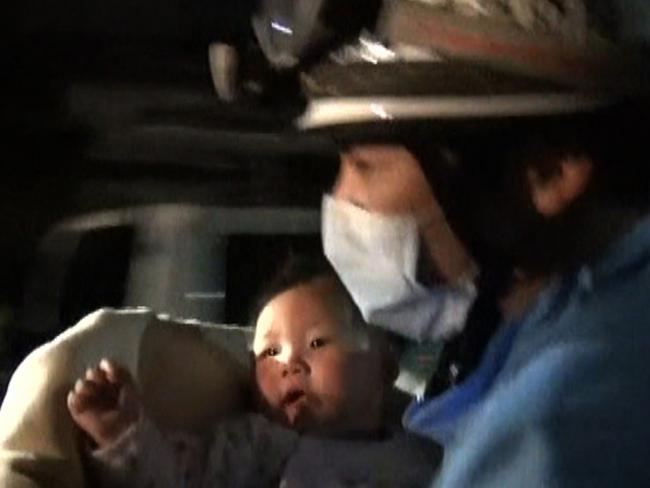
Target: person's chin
(297, 416)
(305, 421)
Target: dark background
(109, 104)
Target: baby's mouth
(294, 405)
(292, 397)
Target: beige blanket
(188, 373)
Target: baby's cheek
(335, 373)
(266, 383)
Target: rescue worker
(493, 192)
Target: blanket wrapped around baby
(188, 373)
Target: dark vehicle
(128, 182)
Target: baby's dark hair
(300, 270)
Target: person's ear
(552, 194)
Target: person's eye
(361, 165)
(269, 352)
(318, 343)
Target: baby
(322, 380)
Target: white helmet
(372, 61)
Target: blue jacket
(561, 398)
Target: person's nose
(295, 366)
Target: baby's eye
(269, 352)
(317, 343)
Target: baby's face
(315, 372)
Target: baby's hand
(105, 403)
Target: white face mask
(376, 258)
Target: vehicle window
(190, 262)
